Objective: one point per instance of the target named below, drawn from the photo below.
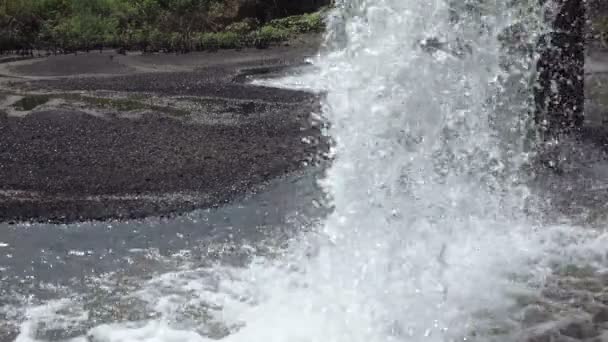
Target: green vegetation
(600, 26)
(309, 22)
(62, 26)
(30, 102)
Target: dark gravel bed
(72, 155)
(64, 165)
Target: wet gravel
(210, 82)
(64, 165)
(63, 65)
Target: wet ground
(105, 136)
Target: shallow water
(95, 264)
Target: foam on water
(432, 235)
(304, 78)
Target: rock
(579, 329)
(601, 316)
(593, 308)
(576, 271)
(601, 338)
(570, 330)
(534, 315)
(550, 336)
(8, 333)
(547, 336)
(589, 285)
(602, 298)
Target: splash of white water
(428, 224)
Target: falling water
(429, 201)
(432, 234)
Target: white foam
(154, 331)
(57, 314)
(306, 82)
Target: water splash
(431, 235)
(428, 218)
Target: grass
(30, 102)
(310, 22)
(261, 38)
(247, 33)
(600, 26)
(268, 35)
(220, 40)
(243, 27)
